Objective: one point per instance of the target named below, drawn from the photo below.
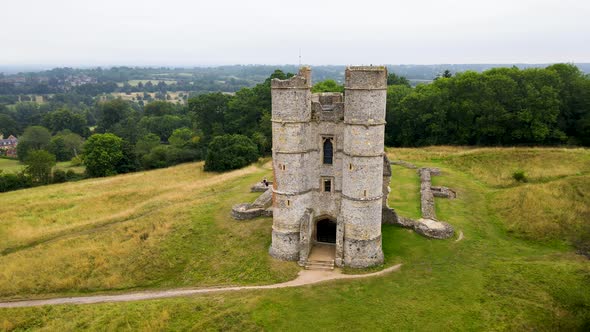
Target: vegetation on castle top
(327, 86)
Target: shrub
(59, 176)
(10, 181)
(176, 155)
(39, 164)
(73, 176)
(157, 158)
(519, 176)
(76, 161)
(229, 152)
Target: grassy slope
(491, 280)
(154, 229)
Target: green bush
(73, 176)
(59, 176)
(102, 154)
(157, 158)
(76, 161)
(229, 152)
(39, 164)
(519, 176)
(10, 181)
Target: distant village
(8, 146)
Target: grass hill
(515, 269)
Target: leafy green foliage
(63, 119)
(14, 181)
(8, 126)
(501, 106)
(229, 152)
(65, 145)
(59, 176)
(112, 112)
(393, 79)
(39, 164)
(327, 86)
(159, 108)
(34, 138)
(519, 176)
(102, 154)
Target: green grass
(14, 166)
(494, 279)
(10, 165)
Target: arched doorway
(326, 231)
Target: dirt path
(305, 277)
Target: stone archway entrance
(325, 231)
(323, 248)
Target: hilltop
(515, 269)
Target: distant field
(154, 82)
(13, 166)
(136, 96)
(514, 270)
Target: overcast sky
(195, 32)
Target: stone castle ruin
(331, 174)
(328, 156)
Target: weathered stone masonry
(348, 187)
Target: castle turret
(291, 130)
(362, 165)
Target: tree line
(501, 106)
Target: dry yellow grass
(546, 211)
(44, 212)
(164, 227)
(495, 166)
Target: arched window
(328, 151)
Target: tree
(393, 79)
(229, 152)
(112, 112)
(34, 138)
(394, 116)
(159, 108)
(183, 137)
(102, 154)
(8, 126)
(65, 145)
(145, 144)
(65, 119)
(327, 86)
(27, 114)
(208, 112)
(163, 126)
(39, 164)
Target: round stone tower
(362, 165)
(291, 117)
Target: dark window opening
(326, 231)
(328, 151)
(328, 186)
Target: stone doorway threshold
(322, 252)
